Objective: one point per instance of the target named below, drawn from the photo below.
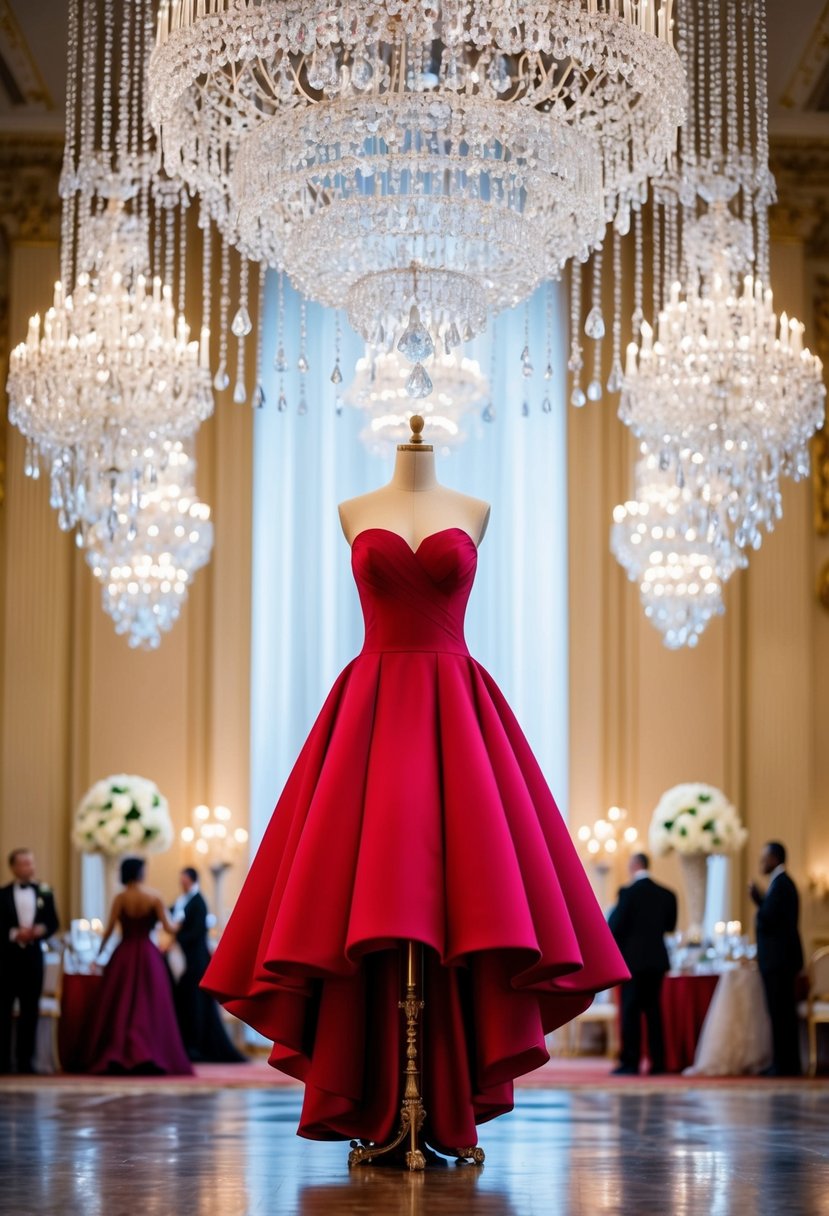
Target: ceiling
(33, 70)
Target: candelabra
(603, 843)
(217, 843)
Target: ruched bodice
(414, 599)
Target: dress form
(414, 503)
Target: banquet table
(685, 1002)
(78, 1000)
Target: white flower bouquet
(696, 818)
(123, 814)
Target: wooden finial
(415, 444)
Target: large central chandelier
(421, 164)
(721, 386)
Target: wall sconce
(215, 841)
(818, 884)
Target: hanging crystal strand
(336, 375)
(89, 63)
(762, 112)
(280, 361)
(526, 361)
(182, 257)
(594, 328)
(258, 398)
(106, 84)
(715, 89)
(488, 412)
(122, 130)
(67, 222)
(240, 328)
(221, 380)
(686, 48)
(614, 380)
(546, 407)
(575, 363)
(732, 112)
(657, 259)
(169, 246)
(302, 361)
(206, 284)
(698, 86)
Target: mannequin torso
(414, 503)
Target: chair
(815, 1009)
(47, 1056)
(603, 1012)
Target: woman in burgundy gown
(135, 1028)
(416, 811)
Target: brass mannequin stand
(412, 1110)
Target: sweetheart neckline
(414, 552)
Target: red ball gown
(416, 810)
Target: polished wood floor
(135, 1150)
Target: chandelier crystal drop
(721, 386)
(444, 155)
(670, 542)
(145, 560)
(379, 389)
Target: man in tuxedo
(27, 917)
(779, 957)
(198, 1014)
(644, 913)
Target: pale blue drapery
(306, 617)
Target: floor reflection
(701, 1151)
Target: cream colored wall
(77, 703)
(745, 710)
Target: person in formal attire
(27, 918)
(198, 1014)
(644, 913)
(779, 956)
(135, 1028)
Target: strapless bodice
(137, 926)
(414, 599)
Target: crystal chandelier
(379, 388)
(111, 372)
(669, 541)
(145, 560)
(722, 387)
(421, 164)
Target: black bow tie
(25, 886)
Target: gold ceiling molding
(20, 64)
(801, 170)
(29, 174)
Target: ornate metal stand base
(412, 1110)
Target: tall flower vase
(695, 878)
(112, 881)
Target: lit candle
(204, 347)
(630, 359)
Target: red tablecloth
(685, 1001)
(78, 998)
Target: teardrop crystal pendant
(241, 324)
(594, 390)
(336, 375)
(548, 372)
(280, 361)
(416, 343)
(302, 364)
(546, 407)
(594, 325)
(615, 379)
(418, 384)
(488, 413)
(526, 363)
(221, 380)
(577, 398)
(525, 410)
(239, 393)
(282, 403)
(258, 398)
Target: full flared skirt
(135, 1028)
(416, 811)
